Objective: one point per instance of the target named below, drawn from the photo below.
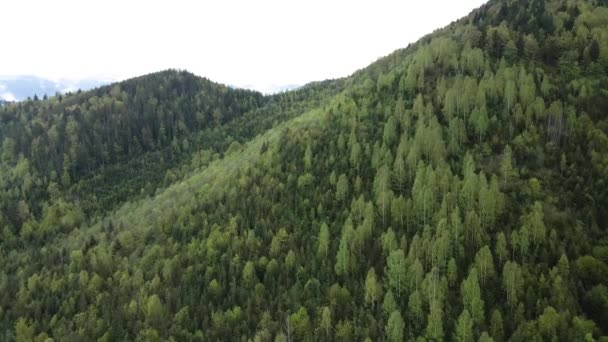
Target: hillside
(453, 190)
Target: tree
(396, 270)
(343, 257)
(512, 281)
(249, 276)
(280, 337)
(563, 266)
(415, 309)
(355, 156)
(416, 274)
(299, 323)
(510, 94)
(474, 233)
(325, 323)
(479, 119)
(308, 158)
(484, 263)
(452, 272)
(373, 290)
(388, 240)
(395, 327)
(507, 169)
(399, 173)
(342, 188)
(344, 331)
(434, 328)
(388, 304)
(501, 248)
(471, 297)
(399, 211)
(535, 221)
(470, 184)
(485, 337)
(496, 326)
(464, 328)
(548, 323)
(24, 332)
(278, 243)
(290, 260)
(527, 90)
(323, 249)
(390, 131)
(382, 191)
(8, 150)
(155, 311)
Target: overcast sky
(258, 44)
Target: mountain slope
(454, 190)
(120, 142)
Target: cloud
(8, 96)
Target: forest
(455, 190)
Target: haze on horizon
(260, 45)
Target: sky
(261, 44)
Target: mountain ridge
(453, 190)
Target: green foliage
(394, 327)
(455, 189)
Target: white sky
(259, 44)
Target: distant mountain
(17, 88)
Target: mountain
(18, 88)
(452, 190)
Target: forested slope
(97, 149)
(454, 190)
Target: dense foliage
(454, 190)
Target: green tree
(395, 327)
(308, 158)
(480, 121)
(343, 257)
(485, 337)
(155, 311)
(501, 248)
(548, 323)
(325, 323)
(390, 131)
(299, 323)
(8, 149)
(496, 326)
(464, 328)
(373, 290)
(415, 308)
(452, 272)
(434, 328)
(484, 263)
(396, 270)
(388, 304)
(344, 331)
(323, 249)
(512, 281)
(249, 276)
(507, 168)
(24, 332)
(342, 189)
(471, 297)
